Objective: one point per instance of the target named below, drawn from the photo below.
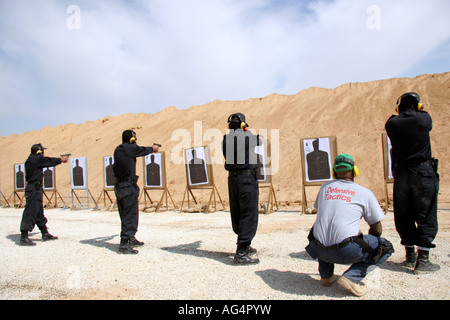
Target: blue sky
(62, 64)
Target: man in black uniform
(34, 210)
(127, 190)
(416, 182)
(239, 151)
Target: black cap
(37, 147)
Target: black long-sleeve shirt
(238, 148)
(409, 133)
(125, 159)
(34, 165)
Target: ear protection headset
(350, 162)
(414, 95)
(133, 137)
(243, 124)
(40, 149)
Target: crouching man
(335, 236)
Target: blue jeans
(351, 254)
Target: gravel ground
(188, 256)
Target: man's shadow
(16, 237)
(297, 283)
(102, 242)
(193, 250)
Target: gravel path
(188, 256)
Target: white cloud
(142, 56)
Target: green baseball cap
(343, 160)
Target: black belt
(241, 172)
(336, 246)
(34, 182)
(128, 179)
(413, 164)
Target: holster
(435, 165)
(38, 185)
(375, 254)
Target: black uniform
(240, 158)
(34, 210)
(416, 184)
(126, 188)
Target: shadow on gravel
(192, 249)
(296, 283)
(16, 237)
(102, 242)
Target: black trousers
(244, 201)
(127, 195)
(415, 205)
(34, 211)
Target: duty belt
(336, 246)
(128, 179)
(37, 184)
(412, 164)
(241, 172)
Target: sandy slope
(355, 113)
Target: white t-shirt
(340, 207)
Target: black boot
(125, 247)
(135, 243)
(423, 264)
(45, 235)
(242, 256)
(24, 240)
(410, 257)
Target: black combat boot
(24, 240)
(46, 236)
(242, 256)
(125, 247)
(135, 243)
(423, 264)
(410, 257)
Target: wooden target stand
(54, 195)
(388, 177)
(107, 188)
(209, 185)
(161, 170)
(333, 153)
(18, 193)
(6, 205)
(271, 199)
(17, 196)
(212, 198)
(265, 179)
(111, 203)
(51, 193)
